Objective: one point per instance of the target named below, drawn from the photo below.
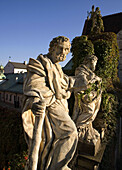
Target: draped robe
(86, 104)
(46, 83)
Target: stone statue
(50, 133)
(87, 90)
(97, 22)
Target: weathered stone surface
(50, 133)
(87, 89)
(120, 60)
(90, 162)
(89, 148)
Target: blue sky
(27, 26)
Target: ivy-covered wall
(81, 47)
(104, 46)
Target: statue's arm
(79, 83)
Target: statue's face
(60, 52)
(93, 64)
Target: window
(2, 95)
(6, 96)
(14, 98)
(10, 97)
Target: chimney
(25, 62)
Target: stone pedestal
(86, 162)
(89, 148)
(99, 124)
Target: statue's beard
(61, 57)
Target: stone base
(85, 162)
(89, 148)
(99, 125)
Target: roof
(112, 23)
(16, 88)
(68, 66)
(13, 83)
(18, 65)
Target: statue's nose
(62, 51)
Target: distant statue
(50, 133)
(88, 92)
(97, 22)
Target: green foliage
(81, 47)
(109, 36)
(12, 140)
(92, 87)
(104, 46)
(104, 66)
(18, 161)
(110, 114)
(97, 22)
(108, 55)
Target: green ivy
(104, 46)
(81, 47)
(92, 87)
(110, 114)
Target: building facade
(14, 67)
(11, 89)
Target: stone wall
(11, 98)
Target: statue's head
(90, 61)
(58, 49)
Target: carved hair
(89, 58)
(56, 41)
